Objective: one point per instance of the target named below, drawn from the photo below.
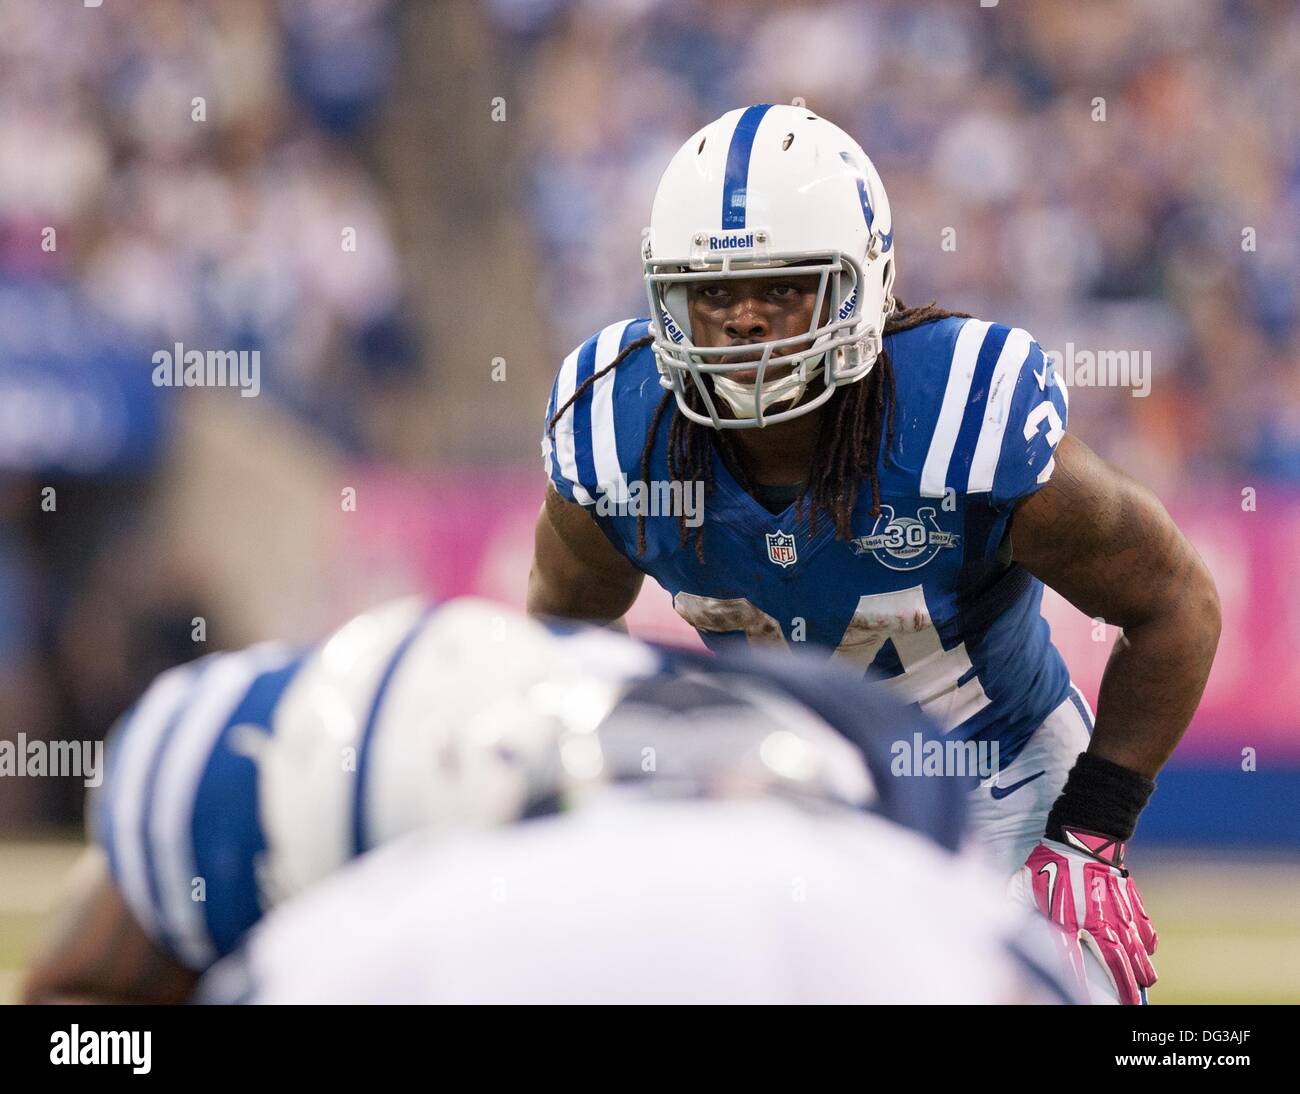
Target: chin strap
(790, 388)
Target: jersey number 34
(931, 676)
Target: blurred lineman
(245, 779)
(757, 895)
(891, 485)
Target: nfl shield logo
(780, 548)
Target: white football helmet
(750, 194)
(457, 717)
(469, 716)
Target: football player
(892, 485)
(718, 852)
(243, 779)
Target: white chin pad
(740, 396)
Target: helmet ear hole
(785, 144)
(702, 142)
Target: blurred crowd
(195, 162)
(1098, 166)
(1119, 175)
(169, 172)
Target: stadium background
(496, 162)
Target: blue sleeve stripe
(149, 830)
(583, 455)
(228, 835)
(735, 182)
(963, 450)
(961, 371)
(173, 787)
(1018, 348)
(583, 458)
(360, 799)
(137, 744)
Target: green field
(1229, 930)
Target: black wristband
(1099, 796)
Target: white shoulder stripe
(138, 739)
(604, 441)
(1054, 377)
(565, 450)
(1002, 386)
(183, 763)
(934, 474)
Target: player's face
(747, 311)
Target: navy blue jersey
(225, 762)
(923, 592)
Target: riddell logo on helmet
(670, 326)
(732, 243)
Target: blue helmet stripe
(736, 182)
(886, 238)
(359, 797)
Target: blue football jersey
(187, 811)
(178, 812)
(922, 593)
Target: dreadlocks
(854, 422)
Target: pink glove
(1084, 889)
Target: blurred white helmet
(455, 717)
(750, 194)
(468, 716)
